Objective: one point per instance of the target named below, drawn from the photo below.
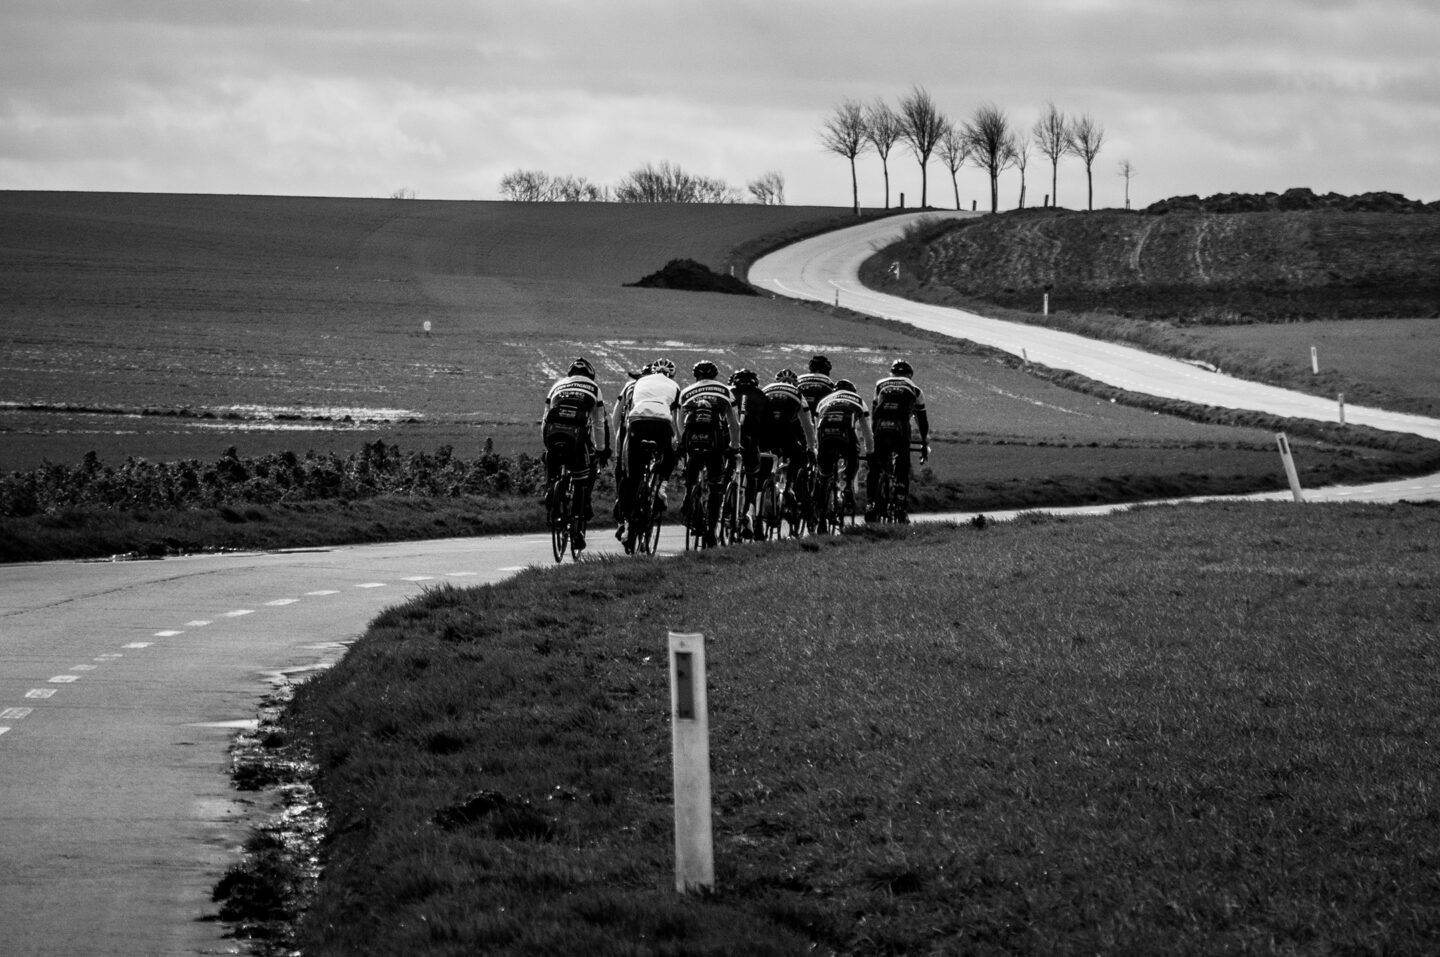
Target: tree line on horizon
(987, 140)
(664, 182)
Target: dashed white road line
(64, 679)
(15, 714)
(40, 693)
(323, 591)
(419, 578)
(197, 623)
(281, 602)
(239, 612)
(137, 644)
(371, 585)
(167, 634)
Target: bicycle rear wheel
(558, 515)
(767, 512)
(731, 504)
(649, 531)
(694, 515)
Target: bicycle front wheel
(767, 512)
(730, 506)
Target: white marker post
(1289, 461)
(1047, 304)
(426, 326)
(1314, 361)
(690, 744)
(1341, 399)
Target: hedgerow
(376, 469)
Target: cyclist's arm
(733, 420)
(599, 427)
(807, 422)
(862, 429)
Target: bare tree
(577, 189)
(953, 153)
(526, 186)
(844, 134)
(1085, 139)
(769, 189)
(989, 138)
(1020, 159)
(1052, 138)
(921, 127)
(669, 183)
(882, 130)
(1127, 170)
(404, 192)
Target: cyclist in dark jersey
(709, 437)
(842, 431)
(897, 400)
(573, 425)
(789, 431)
(752, 406)
(816, 384)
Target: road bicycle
(775, 502)
(836, 509)
(809, 499)
(696, 510)
(732, 508)
(890, 506)
(643, 530)
(565, 513)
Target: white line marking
(371, 585)
(40, 693)
(198, 623)
(461, 574)
(137, 644)
(64, 679)
(239, 612)
(108, 657)
(419, 578)
(513, 568)
(84, 667)
(327, 591)
(15, 714)
(3, 729)
(167, 634)
(280, 602)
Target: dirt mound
(1243, 259)
(691, 276)
(1299, 198)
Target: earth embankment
(1186, 264)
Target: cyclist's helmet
(663, 366)
(582, 367)
(787, 375)
(901, 367)
(820, 364)
(844, 385)
(705, 370)
(744, 377)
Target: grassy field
(175, 327)
(1211, 726)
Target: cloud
(358, 97)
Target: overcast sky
(364, 97)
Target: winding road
(122, 683)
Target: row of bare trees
(652, 183)
(987, 140)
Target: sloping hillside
(1197, 266)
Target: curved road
(121, 684)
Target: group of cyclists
(798, 420)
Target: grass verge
(1208, 725)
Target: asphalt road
(121, 687)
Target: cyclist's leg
(852, 468)
(902, 475)
(716, 479)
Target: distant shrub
(376, 469)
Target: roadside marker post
(1289, 461)
(1047, 304)
(1341, 399)
(690, 746)
(1314, 361)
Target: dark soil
(691, 276)
(1231, 258)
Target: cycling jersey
(576, 407)
(897, 399)
(842, 417)
(815, 386)
(784, 408)
(707, 416)
(655, 396)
